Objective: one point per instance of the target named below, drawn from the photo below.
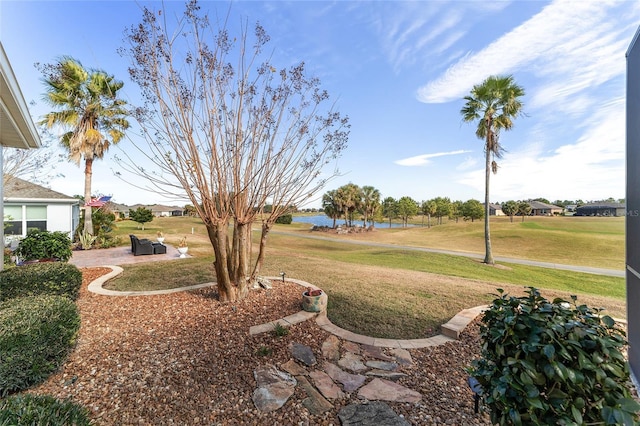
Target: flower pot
(314, 303)
(161, 240)
(183, 251)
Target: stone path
(341, 369)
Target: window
(19, 220)
(37, 218)
(13, 220)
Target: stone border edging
(450, 331)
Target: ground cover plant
(54, 278)
(41, 410)
(36, 334)
(552, 362)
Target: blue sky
(400, 71)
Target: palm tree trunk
(88, 172)
(488, 257)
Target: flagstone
(380, 389)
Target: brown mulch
(187, 359)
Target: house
(539, 208)
(495, 210)
(16, 126)
(157, 210)
(601, 209)
(30, 206)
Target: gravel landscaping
(186, 359)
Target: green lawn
(408, 294)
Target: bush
(548, 363)
(55, 278)
(27, 410)
(285, 219)
(36, 334)
(45, 245)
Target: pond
(324, 220)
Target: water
(324, 220)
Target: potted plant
(182, 247)
(160, 237)
(314, 300)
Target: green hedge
(42, 410)
(36, 334)
(285, 219)
(56, 278)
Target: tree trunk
(266, 227)
(488, 257)
(241, 250)
(88, 172)
(218, 237)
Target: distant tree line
(353, 203)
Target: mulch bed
(187, 359)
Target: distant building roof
(538, 205)
(21, 190)
(603, 205)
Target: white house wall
(60, 218)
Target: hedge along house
(633, 206)
(29, 206)
(17, 129)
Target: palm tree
(89, 112)
(330, 206)
(348, 198)
(494, 103)
(370, 203)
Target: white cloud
(592, 168)
(421, 160)
(570, 40)
(468, 163)
(411, 31)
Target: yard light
(282, 274)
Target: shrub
(62, 279)
(29, 410)
(36, 334)
(548, 363)
(285, 219)
(45, 245)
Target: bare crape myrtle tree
(230, 131)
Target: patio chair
(140, 246)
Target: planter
(314, 303)
(161, 240)
(183, 251)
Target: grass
(396, 293)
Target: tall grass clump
(36, 334)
